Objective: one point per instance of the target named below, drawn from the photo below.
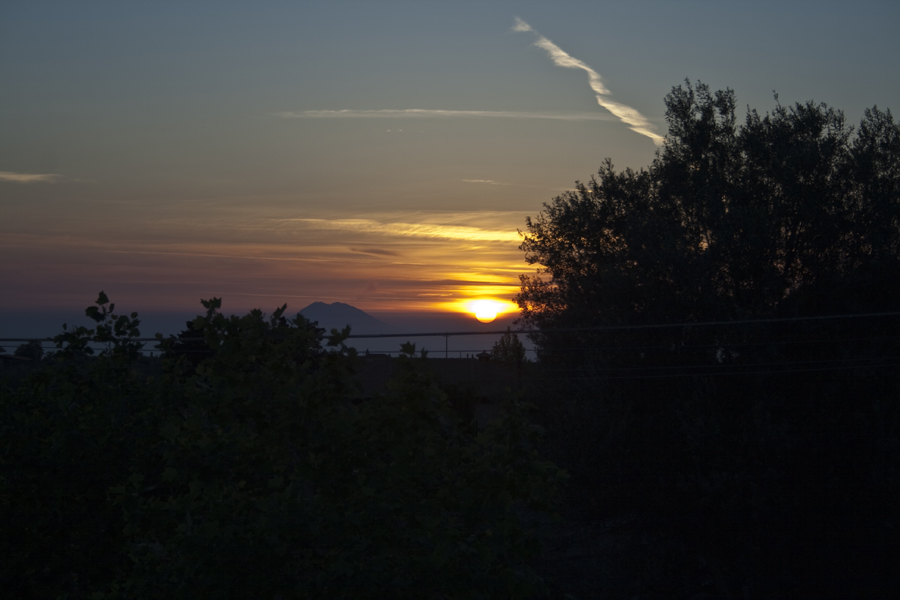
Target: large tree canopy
(791, 213)
(766, 431)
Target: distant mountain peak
(338, 315)
(335, 304)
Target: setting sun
(486, 310)
(484, 307)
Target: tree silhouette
(791, 213)
(31, 350)
(509, 349)
(770, 436)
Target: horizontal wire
(562, 330)
(732, 373)
(727, 365)
(576, 348)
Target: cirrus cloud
(29, 177)
(423, 230)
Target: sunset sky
(379, 154)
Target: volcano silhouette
(338, 315)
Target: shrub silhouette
(509, 349)
(252, 474)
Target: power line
(557, 330)
(731, 365)
(707, 323)
(733, 373)
(580, 349)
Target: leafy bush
(259, 472)
(31, 350)
(509, 349)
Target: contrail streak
(631, 117)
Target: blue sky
(169, 151)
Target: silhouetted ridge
(338, 315)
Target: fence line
(600, 328)
(597, 329)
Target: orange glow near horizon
(251, 263)
(483, 309)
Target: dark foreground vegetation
(246, 464)
(757, 456)
(718, 373)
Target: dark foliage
(30, 350)
(509, 349)
(254, 472)
(789, 214)
(772, 446)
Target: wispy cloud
(222, 255)
(28, 177)
(484, 181)
(519, 185)
(374, 251)
(426, 230)
(631, 117)
(429, 113)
